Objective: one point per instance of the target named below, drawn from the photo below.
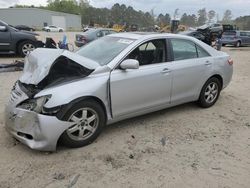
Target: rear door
(141, 89)
(191, 67)
(244, 37)
(248, 38)
(5, 39)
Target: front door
(148, 87)
(5, 40)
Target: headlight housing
(36, 104)
(38, 37)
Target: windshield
(104, 49)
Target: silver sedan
(69, 97)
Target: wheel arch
(20, 41)
(219, 77)
(66, 107)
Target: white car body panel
(122, 93)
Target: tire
(237, 45)
(60, 30)
(223, 44)
(90, 130)
(25, 47)
(210, 93)
(48, 30)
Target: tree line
(127, 15)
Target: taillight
(230, 61)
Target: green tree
(202, 16)
(227, 18)
(211, 15)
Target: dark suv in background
(14, 41)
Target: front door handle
(166, 70)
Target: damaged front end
(26, 118)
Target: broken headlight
(36, 104)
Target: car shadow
(138, 120)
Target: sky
(238, 7)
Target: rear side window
(243, 34)
(184, 49)
(201, 52)
(229, 33)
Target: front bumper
(37, 131)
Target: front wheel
(210, 93)
(25, 47)
(88, 119)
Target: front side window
(151, 52)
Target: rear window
(229, 33)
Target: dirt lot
(185, 146)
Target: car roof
(148, 35)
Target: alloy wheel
(85, 124)
(27, 48)
(211, 92)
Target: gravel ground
(184, 146)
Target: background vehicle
(113, 78)
(196, 34)
(213, 28)
(13, 41)
(236, 38)
(52, 28)
(24, 28)
(92, 34)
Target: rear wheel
(48, 30)
(25, 47)
(210, 93)
(237, 45)
(60, 30)
(88, 119)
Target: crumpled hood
(38, 63)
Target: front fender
(95, 86)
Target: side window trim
(171, 53)
(167, 58)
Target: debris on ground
(17, 65)
(58, 176)
(131, 156)
(73, 180)
(163, 141)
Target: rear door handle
(208, 63)
(166, 70)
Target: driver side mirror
(3, 28)
(129, 64)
